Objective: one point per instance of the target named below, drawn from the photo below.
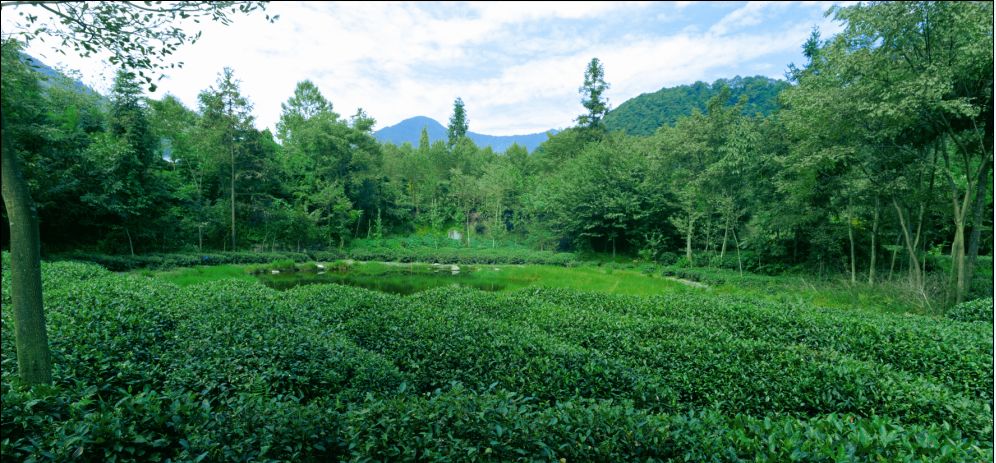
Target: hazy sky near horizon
(517, 66)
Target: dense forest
(875, 158)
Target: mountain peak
(410, 130)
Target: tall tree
(227, 115)
(423, 141)
(318, 160)
(458, 124)
(123, 157)
(177, 128)
(306, 103)
(137, 37)
(919, 75)
(20, 89)
(592, 96)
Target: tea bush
(978, 310)
(235, 371)
(122, 263)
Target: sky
(517, 66)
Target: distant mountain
(646, 113)
(410, 130)
(51, 76)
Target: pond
(396, 279)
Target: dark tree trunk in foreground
(34, 365)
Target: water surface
(396, 279)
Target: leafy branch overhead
(137, 35)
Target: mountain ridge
(410, 130)
(644, 114)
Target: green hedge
(123, 263)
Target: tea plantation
(235, 371)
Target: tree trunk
(740, 263)
(688, 239)
(982, 186)
(497, 222)
(708, 231)
(915, 263)
(919, 230)
(958, 243)
(34, 364)
(871, 265)
(411, 188)
(850, 237)
(958, 261)
(726, 231)
(131, 246)
(231, 151)
(892, 266)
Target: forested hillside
(646, 113)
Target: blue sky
(517, 66)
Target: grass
(589, 278)
(603, 277)
(203, 273)
(888, 296)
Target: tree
(688, 156)
(306, 103)
(31, 341)
(122, 158)
(596, 198)
(423, 141)
(912, 89)
(466, 194)
(458, 124)
(178, 129)
(499, 182)
(227, 118)
(591, 96)
(137, 36)
(317, 160)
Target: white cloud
(517, 67)
(751, 14)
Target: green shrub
(282, 265)
(308, 267)
(978, 310)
